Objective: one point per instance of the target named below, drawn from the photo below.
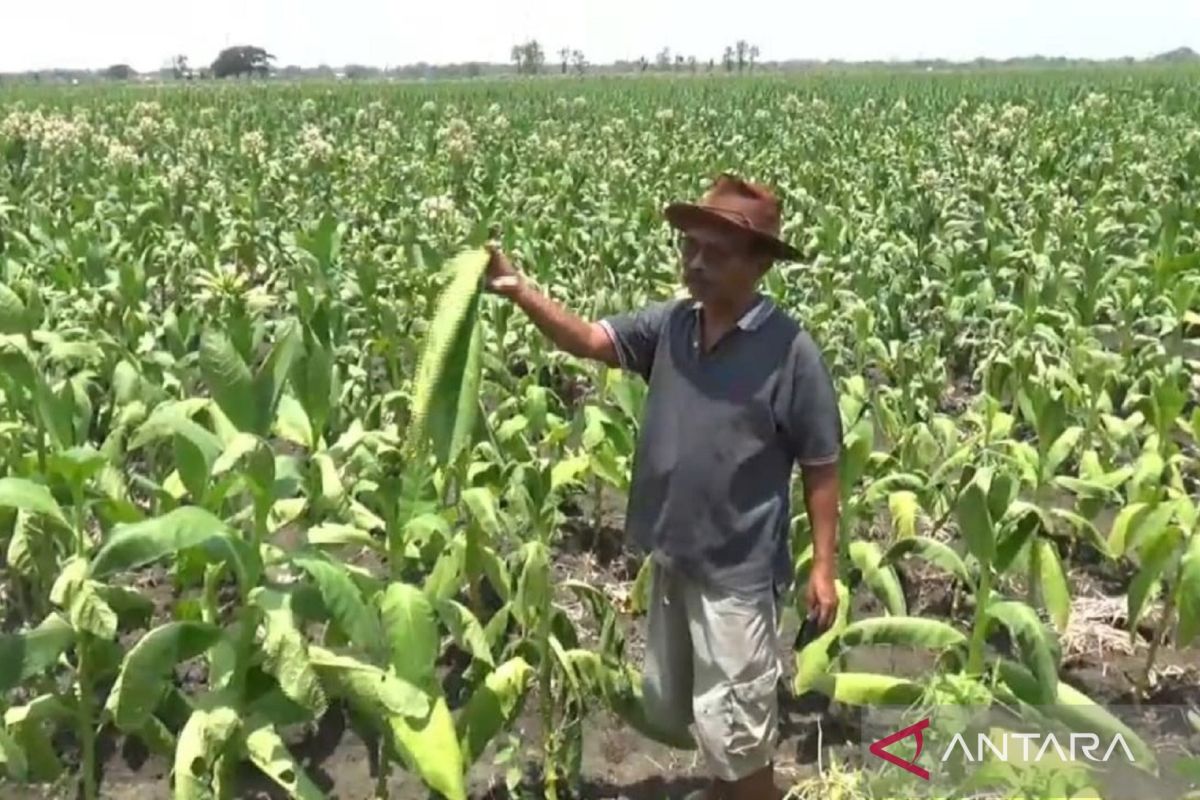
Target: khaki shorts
(712, 666)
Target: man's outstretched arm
(567, 331)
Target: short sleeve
(812, 421)
(635, 335)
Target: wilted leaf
(147, 666)
(492, 707)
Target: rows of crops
(216, 523)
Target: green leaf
(175, 419)
(533, 584)
(229, 381)
(292, 423)
(1052, 582)
(481, 505)
(268, 752)
(1030, 635)
(147, 667)
(86, 610)
(285, 651)
(12, 756)
(373, 691)
(23, 655)
(253, 455)
(932, 551)
(622, 690)
(1188, 592)
(856, 452)
(12, 311)
(1001, 493)
(1118, 536)
(31, 726)
(1146, 528)
(975, 523)
(867, 689)
(929, 634)
(126, 383)
(57, 411)
(344, 602)
(333, 534)
(496, 572)
(1074, 709)
(203, 739)
(1085, 488)
(411, 629)
(446, 389)
(132, 607)
(465, 629)
(903, 508)
(882, 579)
(639, 596)
(1059, 451)
(272, 376)
(496, 629)
(77, 464)
(332, 490)
(313, 378)
(26, 495)
(567, 472)
(1147, 470)
(445, 579)
(492, 707)
(429, 747)
(1159, 547)
(137, 544)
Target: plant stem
(546, 698)
(979, 626)
(385, 767)
(80, 534)
(87, 734)
(1159, 632)
(262, 513)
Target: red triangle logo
(879, 748)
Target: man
(738, 394)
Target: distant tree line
(529, 58)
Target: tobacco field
(289, 508)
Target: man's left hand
(822, 597)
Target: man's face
(718, 265)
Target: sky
(145, 33)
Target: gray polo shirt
(720, 435)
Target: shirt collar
(753, 318)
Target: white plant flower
(314, 147)
(254, 143)
(457, 139)
(1014, 116)
(121, 155)
(438, 207)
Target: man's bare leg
(757, 786)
